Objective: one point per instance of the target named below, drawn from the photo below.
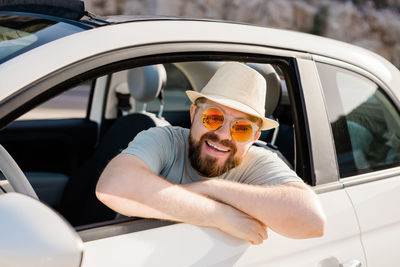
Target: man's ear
(192, 112)
(257, 135)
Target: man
(212, 175)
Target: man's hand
(241, 225)
(235, 222)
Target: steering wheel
(14, 174)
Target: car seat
(79, 204)
(361, 139)
(282, 137)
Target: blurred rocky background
(373, 24)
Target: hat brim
(267, 123)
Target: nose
(224, 132)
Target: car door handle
(352, 263)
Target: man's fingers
(259, 235)
(264, 233)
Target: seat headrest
(273, 86)
(145, 83)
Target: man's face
(213, 153)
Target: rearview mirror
(34, 235)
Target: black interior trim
(90, 103)
(118, 227)
(2, 189)
(75, 140)
(304, 163)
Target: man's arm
(291, 209)
(129, 187)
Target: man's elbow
(102, 194)
(106, 190)
(316, 226)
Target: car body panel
(26, 241)
(93, 42)
(189, 245)
(377, 207)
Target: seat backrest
(274, 90)
(146, 84)
(79, 204)
(281, 138)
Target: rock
(304, 16)
(396, 55)
(169, 8)
(345, 22)
(391, 32)
(280, 14)
(210, 9)
(248, 11)
(137, 8)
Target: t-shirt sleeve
(268, 169)
(153, 146)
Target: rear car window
(21, 33)
(365, 123)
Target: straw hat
(239, 87)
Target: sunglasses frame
(254, 126)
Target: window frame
(391, 96)
(99, 66)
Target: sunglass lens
(241, 131)
(213, 118)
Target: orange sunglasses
(213, 118)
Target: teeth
(217, 148)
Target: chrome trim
(324, 188)
(370, 177)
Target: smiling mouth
(216, 147)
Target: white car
(75, 89)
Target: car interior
(63, 155)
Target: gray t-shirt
(165, 150)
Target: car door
(365, 122)
(157, 242)
(149, 243)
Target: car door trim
(323, 151)
(370, 177)
(118, 227)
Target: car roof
(131, 32)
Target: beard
(208, 166)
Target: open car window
(79, 148)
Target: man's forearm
(291, 209)
(138, 192)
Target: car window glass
(70, 104)
(19, 34)
(365, 124)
